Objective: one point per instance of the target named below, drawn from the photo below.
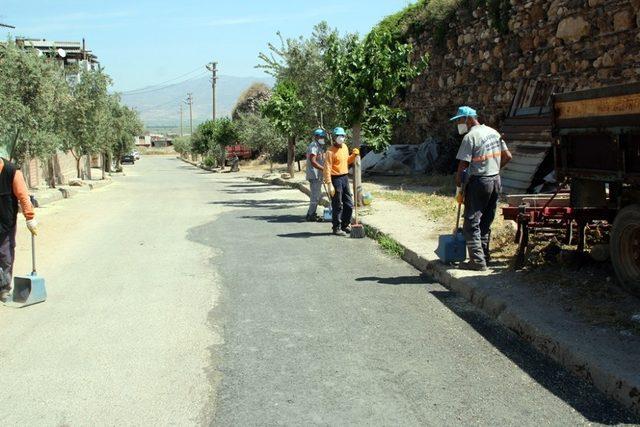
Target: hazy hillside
(161, 107)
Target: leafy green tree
(203, 139)
(225, 134)
(31, 90)
(285, 110)
(118, 128)
(366, 77)
(301, 62)
(84, 113)
(258, 132)
(182, 146)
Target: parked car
(136, 155)
(128, 159)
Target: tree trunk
(291, 154)
(357, 134)
(357, 170)
(78, 158)
(89, 167)
(51, 172)
(103, 165)
(107, 162)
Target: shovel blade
(327, 215)
(27, 290)
(452, 248)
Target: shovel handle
(457, 220)
(33, 254)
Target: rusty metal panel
(622, 105)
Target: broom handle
(355, 194)
(457, 220)
(33, 254)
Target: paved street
(182, 297)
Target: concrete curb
(53, 195)
(624, 389)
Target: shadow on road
(395, 281)
(277, 219)
(304, 235)
(264, 204)
(577, 393)
(255, 190)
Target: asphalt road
(182, 297)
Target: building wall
(571, 44)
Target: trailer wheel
(625, 248)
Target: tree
(301, 62)
(285, 110)
(203, 139)
(31, 90)
(124, 125)
(251, 99)
(182, 146)
(366, 77)
(84, 113)
(259, 133)
(225, 134)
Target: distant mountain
(161, 106)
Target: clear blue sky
(143, 42)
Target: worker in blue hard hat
(315, 166)
(482, 154)
(336, 168)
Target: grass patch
(387, 244)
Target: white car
(136, 155)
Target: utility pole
(213, 67)
(190, 102)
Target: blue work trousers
(480, 205)
(341, 202)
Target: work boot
(338, 232)
(347, 229)
(314, 218)
(473, 266)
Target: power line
(153, 107)
(158, 87)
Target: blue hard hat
(339, 132)
(464, 111)
(319, 132)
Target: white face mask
(321, 141)
(463, 128)
(340, 140)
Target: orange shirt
(337, 161)
(21, 193)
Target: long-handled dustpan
(452, 247)
(327, 214)
(28, 290)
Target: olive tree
(84, 113)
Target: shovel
(28, 290)
(452, 247)
(357, 229)
(327, 214)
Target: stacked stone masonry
(570, 43)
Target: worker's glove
(355, 152)
(332, 190)
(32, 225)
(459, 195)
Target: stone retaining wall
(570, 43)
